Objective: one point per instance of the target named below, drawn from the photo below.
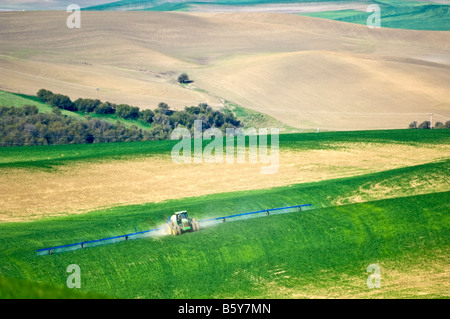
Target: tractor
(180, 223)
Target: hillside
(14, 99)
(318, 253)
(51, 119)
(61, 179)
(377, 197)
(413, 15)
(417, 15)
(90, 175)
(303, 72)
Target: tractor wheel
(195, 225)
(173, 230)
(177, 230)
(198, 226)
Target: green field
(23, 289)
(48, 156)
(14, 99)
(376, 197)
(414, 15)
(398, 15)
(254, 119)
(321, 252)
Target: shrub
(25, 126)
(127, 112)
(424, 125)
(163, 108)
(163, 120)
(183, 78)
(87, 105)
(44, 95)
(147, 116)
(105, 108)
(63, 102)
(413, 124)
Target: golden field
(30, 193)
(305, 72)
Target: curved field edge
(54, 155)
(317, 253)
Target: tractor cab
(179, 218)
(182, 216)
(180, 223)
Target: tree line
(427, 125)
(162, 118)
(26, 126)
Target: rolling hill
(304, 72)
(322, 252)
(71, 179)
(414, 15)
(378, 195)
(389, 207)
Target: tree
(439, 125)
(180, 118)
(44, 95)
(192, 110)
(219, 119)
(425, 125)
(205, 108)
(105, 108)
(163, 120)
(19, 127)
(447, 124)
(63, 102)
(183, 78)
(86, 105)
(29, 109)
(413, 124)
(127, 112)
(147, 116)
(163, 108)
(230, 118)
(89, 138)
(56, 110)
